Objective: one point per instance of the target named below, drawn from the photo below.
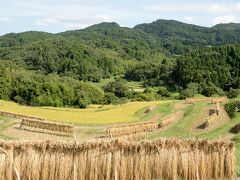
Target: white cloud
(170, 7)
(6, 19)
(194, 7)
(189, 19)
(223, 8)
(225, 19)
(73, 20)
(73, 26)
(46, 21)
(216, 8)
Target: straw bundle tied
(134, 136)
(19, 116)
(132, 128)
(162, 159)
(47, 125)
(167, 120)
(213, 117)
(213, 100)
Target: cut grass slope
(161, 109)
(182, 128)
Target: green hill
(180, 37)
(14, 39)
(127, 43)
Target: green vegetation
(180, 38)
(162, 110)
(233, 107)
(213, 70)
(31, 88)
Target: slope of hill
(127, 43)
(64, 57)
(227, 26)
(99, 51)
(14, 39)
(186, 36)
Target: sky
(61, 15)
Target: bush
(210, 89)
(232, 107)
(118, 87)
(233, 93)
(147, 97)
(83, 103)
(191, 90)
(162, 91)
(110, 98)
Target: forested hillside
(29, 87)
(210, 68)
(179, 37)
(14, 39)
(64, 57)
(146, 53)
(120, 42)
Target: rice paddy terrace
(131, 121)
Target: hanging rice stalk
(19, 116)
(162, 159)
(167, 120)
(193, 100)
(44, 125)
(219, 99)
(215, 115)
(210, 120)
(135, 136)
(217, 108)
(132, 128)
(212, 100)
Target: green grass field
(134, 85)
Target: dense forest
(178, 37)
(44, 69)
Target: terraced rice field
(93, 115)
(93, 121)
